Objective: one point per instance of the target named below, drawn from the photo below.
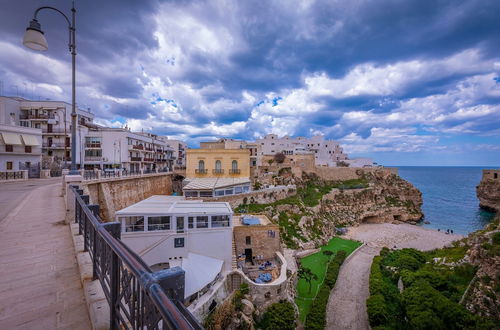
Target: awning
(199, 271)
(30, 140)
(11, 138)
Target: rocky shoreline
(488, 190)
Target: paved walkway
(347, 303)
(39, 278)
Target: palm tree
(307, 275)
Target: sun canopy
(11, 138)
(200, 271)
(30, 140)
(213, 183)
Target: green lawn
(317, 263)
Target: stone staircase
(234, 263)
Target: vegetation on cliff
(422, 290)
(310, 217)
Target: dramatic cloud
(403, 77)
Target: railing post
(172, 282)
(85, 199)
(114, 278)
(95, 209)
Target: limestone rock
(488, 193)
(248, 307)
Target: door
(49, 142)
(68, 142)
(49, 128)
(248, 255)
(180, 224)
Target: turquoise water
(449, 195)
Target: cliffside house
(169, 231)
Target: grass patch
(318, 263)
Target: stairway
(234, 263)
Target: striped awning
(30, 140)
(11, 138)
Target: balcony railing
(93, 145)
(39, 116)
(217, 171)
(136, 159)
(56, 131)
(148, 159)
(148, 149)
(138, 147)
(93, 159)
(201, 171)
(136, 296)
(235, 171)
(55, 145)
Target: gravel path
(347, 304)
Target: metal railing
(11, 175)
(200, 171)
(90, 175)
(217, 171)
(138, 298)
(235, 171)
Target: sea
(449, 195)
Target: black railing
(90, 175)
(11, 175)
(234, 171)
(218, 171)
(201, 171)
(108, 174)
(137, 297)
(130, 173)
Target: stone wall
(349, 173)
(117, 193)
(262, 244)
(488, 191)
(264, 196)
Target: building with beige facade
(226, 143)
(217, 172)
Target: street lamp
(34, 38)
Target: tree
(279, 157)
(342, 164)
(307, 275)
(270, 161)
(279, 316)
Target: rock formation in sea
(488, 190)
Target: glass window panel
(220, 221)
(159, 223)
(202, 222)
(133, 223)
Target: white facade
(121, 148)
(326, 152)
(195, 235)
(179, 150)
(53, 118)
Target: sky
(407, 82)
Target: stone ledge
(95, 298)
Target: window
(179, 242)
(133, 223)
(234, 165)
(219, 193)
(180, 224)
(9, 165)
(201, 165)
(228, 192)
(9, 148)
(220, 221)
(248, 240)
(218, 165)
(93, 152)
(190, 222)
(191, 193)
(93, 141)
(27, 149)
(238, 190)
(159, 223)
(202, 222)
(206, 193)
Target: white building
(120, 148)
(20, 147)
(169, 231)
(179, 150)
(326, 152)
(53, 118)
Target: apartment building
(217, 172)
(53, 118)
(326, 152)
(122, 149)
(179, 148)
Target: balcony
(56, 131)
(148, 149)
(135, 159)
(217, 171)
(150, 160)
(93, 145)
(201, 171)
(235, 171)
(37, 117)
(92, 159)
(55, 145)
(138, 147)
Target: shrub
(316, 319)
(278, 316)
(377, 310)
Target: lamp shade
(35, 40)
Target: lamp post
(34, 38)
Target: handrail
(135, 293)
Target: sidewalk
(39, 278)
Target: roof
(213, 183)
(200, 271)
(166, 205)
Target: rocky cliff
(312, 216)
(483, 296)
(488, 191)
